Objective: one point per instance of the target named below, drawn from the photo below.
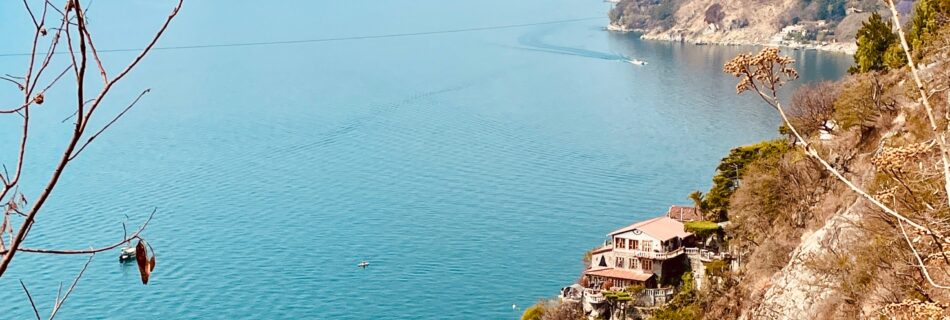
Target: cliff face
(728, 22)
(811, 248)
(799, 290)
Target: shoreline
(840, 48)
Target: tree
(813, 105)
(873, 39)
(20, 211)
(715, 203)
(861, 101)
(929, 16)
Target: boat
(637, 62)
(127, 254)
(363, 264)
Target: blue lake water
(472, 169)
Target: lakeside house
(645, 260)
(647, 253)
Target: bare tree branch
(59, 303)
(920, 262)
(29, 296)
(84, 115)
(107, 125)
(135, 235)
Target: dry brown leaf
(141, 258)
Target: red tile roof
(684, 213)
(619, 274)
(661, 228)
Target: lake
(472, 168)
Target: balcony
(706, 255)
(593, 296)
(652, 255)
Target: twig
(103, 129)
(29, 296)
(92, 250)
(19, 86)
(32, 16)
(134, 62)
(95, 56)
(59, 293)
(923, 268)
(59, 303)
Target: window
(646, 245)
(647, 265)
(634, 264)
(633, 244)
(620, 243)
(619, 262)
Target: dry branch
(72, 10)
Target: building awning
(601, 249)
(619, 274)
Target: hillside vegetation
(810, 246)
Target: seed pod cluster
(894, 158)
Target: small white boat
(637, 62)
(363, 264)
(127, 254)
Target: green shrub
(894, 57)
(860, 102)
(714, 204)
(716, 268)
(534, 312)
(702, 229)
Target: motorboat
(127, 254)
(637, 62)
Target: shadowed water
(471, 169)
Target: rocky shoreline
(725, 39)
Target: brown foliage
(812, 106)
(763, 72)
(774, 192)
(564, 311)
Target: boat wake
(534, 42)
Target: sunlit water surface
(471, 169)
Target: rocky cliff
(811, 247)
(738, 22)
